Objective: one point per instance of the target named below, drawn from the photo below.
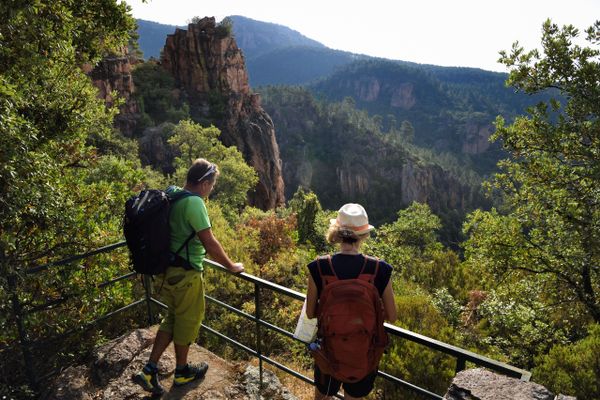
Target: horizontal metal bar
(162, 305)
(261, 282)
(68, 260)
(458, 352)
(230, 308)
(454, 351)
(60, 300)
(294, 373)
(86, 326)
(409, 386)
(396, 331)
(228, 339)
(262, 357)
(46, 305)
(278, 330)
(252, 318)
(120, 278)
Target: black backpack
(147, 232)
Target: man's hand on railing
(236, 268)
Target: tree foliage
(412, 246)
(572, 369)
(157, 96)
(550, 185)
(48, 108)
(236, 179)
(60, 195)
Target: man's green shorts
(183, 291)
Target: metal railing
(462, 356)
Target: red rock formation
(208, 65)
(114, 74)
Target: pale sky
(466, 33)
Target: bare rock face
(114, 74)
(112, 358)
(154, 149)
(108, 375)
(477, 138)
(367, 89)
(481, 384)
(403, 96)
(208, 65)
(432, 186)
(353, 181)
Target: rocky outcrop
(403, 96)
(107, 376)
(353, 181)
(271, 388)
(431, 185)
(481, 384)
(367, 89)
(154, 149)
(113, 74)
(208, 65)
(477, 137)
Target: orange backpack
(350, 325)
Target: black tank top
(348, 266)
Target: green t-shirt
(188, 215)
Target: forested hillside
(341, 153)
(523, 287)
(447, 109)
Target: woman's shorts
(329, 386)
(183, 291)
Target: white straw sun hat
(353, 216)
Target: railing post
(23, 339)
(258, 332)
(461, 364)
(148, 290)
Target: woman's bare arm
(311, 298)
(389, 304)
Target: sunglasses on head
(211, 170)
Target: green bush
(572, 369)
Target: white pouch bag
(306, 329)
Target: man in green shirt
(182, 289)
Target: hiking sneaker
(149, 381)
(190, 373)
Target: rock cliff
(209, 67)
(113, 74)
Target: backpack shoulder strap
(173, 197)
(326, 279)
(182, 194)
(366, 276)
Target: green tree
(60, 196)
(237, 177)
(411, 245)
(551, 183)
(48, 108)
(572, 369)
(155, 92)
(309, 214)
